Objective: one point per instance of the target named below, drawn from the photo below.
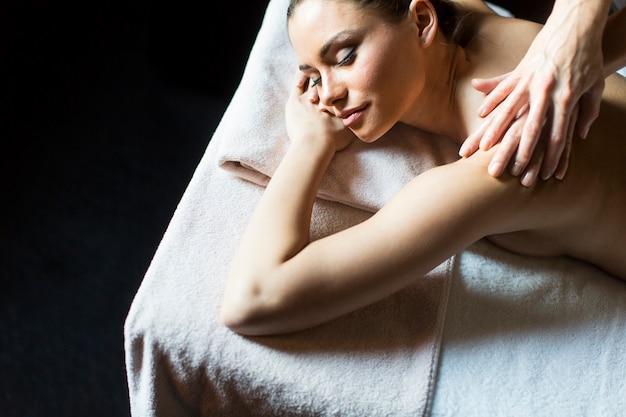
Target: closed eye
(348, 58)
(316, 82)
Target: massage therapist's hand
(307, 121)
(558, 86)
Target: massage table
(486, 333)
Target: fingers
(563, 164)
(561, 168)
(508, 110)
(497, 90)
(302, 87)
(486, 85)
(532, 171)
(470, 145)
(531, 174)
(529, 137)
(589, 108)
(506, 149)
(301, 82)
(556, 143)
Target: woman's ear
(423, 14)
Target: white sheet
(532, 337)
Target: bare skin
(560, 80)
(371, 77)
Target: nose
(331, 91)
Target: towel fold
(363, 176)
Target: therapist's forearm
(590, 15)
(590, 12)
(614, 42)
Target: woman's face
(365, 68)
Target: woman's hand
(558, 85)
(307, 121)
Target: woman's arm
(282, 282)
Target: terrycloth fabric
(523, 336)
(378, 361)
(181, 361)
(536, 337)
(364, 175)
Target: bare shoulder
(462, 194)
(475, 6)
(500, 42)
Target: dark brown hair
(453, 19)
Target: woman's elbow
(247, 306)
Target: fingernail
(495, 169)
(527, 179)
(481, 110)
(464, 151)
(585, 132)
(516, 169)
(546, 174)
(483, 144)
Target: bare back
(583, 215)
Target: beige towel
(181, 361)
(378, 361)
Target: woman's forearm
(279, 227)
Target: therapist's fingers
(531, 174)
(589, 108)
(503, 116)
(492, 100)
(507, 148)
(472, 142)
(486, 85)
(531, 133)
(496, 90)
(561, 168)
(556, 142)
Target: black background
(106, 109)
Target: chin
(369, 136)
(368, 139)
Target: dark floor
(105, 110)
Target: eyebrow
(337, 37)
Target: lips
(351, 116)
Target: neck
(442, 115)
